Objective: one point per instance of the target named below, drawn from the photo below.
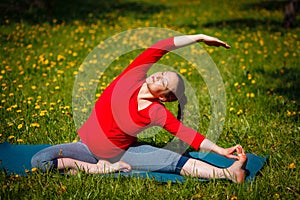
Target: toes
(239, 150)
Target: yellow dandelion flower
(253, 81)
(63, 188)
(249, 76)
(236, 84)
(183, 70)
(37, 107)
(234, 198)
(57, 87)
(33, 169)
(231, 109)
(11, 137)
(35, 124)
(292, 166)
(20, 140)
(240, 112)
(19, 111)
(43, 112)
(29, 46)
(20, 126)
(261, 42)
(288, 113)
(60, 71)
(60, 57)
(75, 140)
(276, 196)
(33, 87)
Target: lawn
(42, 51)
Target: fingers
(240, 152)
(226, 46)
(233, 157)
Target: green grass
(41, 51)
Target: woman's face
(160, 83)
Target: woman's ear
(162, 98)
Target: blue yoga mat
(15, 159)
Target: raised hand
(212, 41)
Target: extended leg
(236, 172)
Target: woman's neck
(145, 93)
(145, 97)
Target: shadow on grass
(264, 23)
(242, 24)
(271, 5)
(283, 82)
(40, 11)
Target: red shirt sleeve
(164, 118)
(150, 56)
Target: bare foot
(104, 166)
(121, 166)
(236, 172)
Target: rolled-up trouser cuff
(181, 163)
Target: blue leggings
(139, 157)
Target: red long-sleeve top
(116, 121)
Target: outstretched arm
(185, 40)
(181, 41)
